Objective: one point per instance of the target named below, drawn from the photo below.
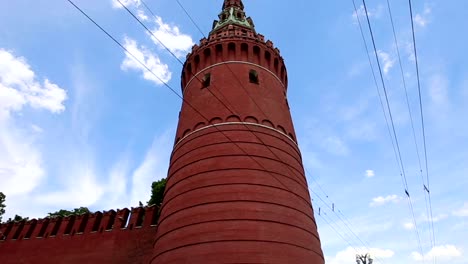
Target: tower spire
(233, 14)
(233, 3)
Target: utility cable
(422, 118)
(240, 83)
(377, 88)
(166, 84)
(191, 19)
(430, 220)
(393, 128)
(141, 23)
(156, 75)
(229, 139)
(329, 222)
(215, 96)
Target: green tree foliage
(157, 192)
(2, 205)
(17, 218)
(364, 259)
(65, 213)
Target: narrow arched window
(267, 58)
(231, 51)
(206, 81)
(244, 51)
(253, 76)
(219, 52)
(256, 52)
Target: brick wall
(122, 236)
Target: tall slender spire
(233, 3)
(233, 14)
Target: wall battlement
(234, 44)
(122, 236)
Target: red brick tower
(236, 190)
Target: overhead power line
(248, 94)
(429, 218)
(428, 187)
(377, 88)
(197, 111)
(395, 39)
(403, 175)
(141, 63)
(225, 104)
(169, 87)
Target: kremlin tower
(236, 190)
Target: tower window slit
(206, 81)
(253, 76)
(256, 52)
(219, 52)
(244, 51)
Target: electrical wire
(246, 91)
(429, 218)
(214, 95)
(377, 87)
(141, 63)
(422, 119)
(151, 33)
(167, 85)
(405, 183)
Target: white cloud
(21, 164)
(80, 188)
(74, 177)
(335, 146)
(439, 218)
(349, 255)
(141, 14)
(409, 49)
(370, 173)
(419, 20)
(145, 56)
(19, 87)
(387, 61)
(463, 212)
(444, 252)
(422, 19)
(372, 13)
(152, 168)
(435, 218)
(85, 187)
(380, 200)
(177, 42)
(438, 90)
(50, 96)
(37, 128)
(116, 188)
(11, 100)
(127, 3)
(408, 225)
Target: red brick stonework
(125, 236)
(236, 190)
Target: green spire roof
(233, 14)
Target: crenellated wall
(122, 236)
(234, 44)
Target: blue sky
(81, 124)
